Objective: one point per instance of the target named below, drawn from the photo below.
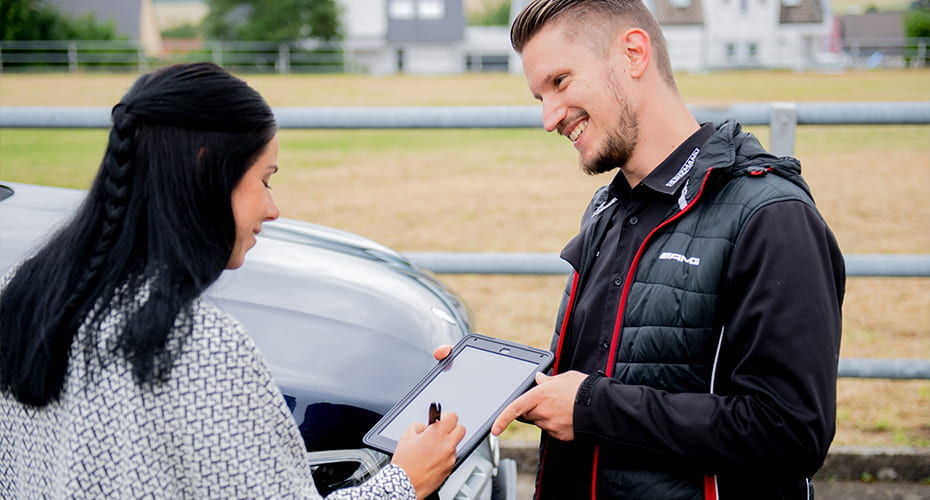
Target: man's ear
(634, 49)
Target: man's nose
(553, 114)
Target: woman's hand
(427, 453)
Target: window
(752, 50)
(681, 4)
(431, 9)
(401, 9)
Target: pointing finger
(518, 407)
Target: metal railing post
(72, 57)
(216, 53)
(783, 126)
(143, 62)
(284, 59)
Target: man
(697, 345)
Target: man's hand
(550, 405)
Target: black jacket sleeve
(773, 403)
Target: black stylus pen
(435, 411)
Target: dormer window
(417, 9)
(431, 9)
(401, 9)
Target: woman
(116, 378)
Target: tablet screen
(473, 386)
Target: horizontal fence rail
(782, 118)
(392, 117)
(902, 369)
(860, 265)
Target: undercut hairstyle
(156, 222)
(596, 23)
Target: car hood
(343, 319)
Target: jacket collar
(730, 153)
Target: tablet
(478, 379)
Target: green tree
(491, 13)
(186, 30)
(272, 20)
(34, 20)
(917, 23)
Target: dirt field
(520, 190)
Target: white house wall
(373, 61)
(736, 25)
(365, 19)
(802, 46)
(745, 33)
(685, 48)
(440, 59)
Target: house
(405, 36)
(878, 38)
(134, 19)
(729, 34)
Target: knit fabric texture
(216, 427)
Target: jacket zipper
(555, 369)
(564, 327)
(615, 340)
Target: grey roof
(668, 14)
(889, 25)
(807, 11)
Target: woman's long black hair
(158, 215)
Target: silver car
(347, 327)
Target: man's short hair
(596, 21)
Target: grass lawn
(521, 190)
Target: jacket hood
(730, 153)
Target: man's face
(582, 98)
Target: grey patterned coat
(218, 427)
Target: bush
(34, 20)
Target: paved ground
(911, 466)
(824, 490)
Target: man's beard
(621, 138)
(621, 141)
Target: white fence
(128, 55)
(316, 57)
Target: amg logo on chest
(694, 261)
